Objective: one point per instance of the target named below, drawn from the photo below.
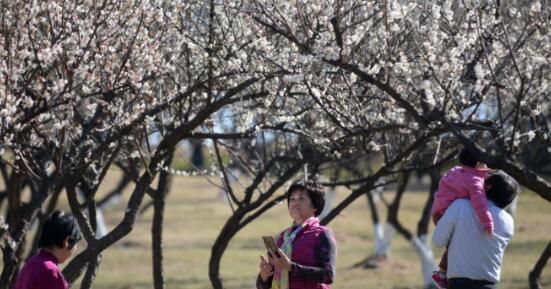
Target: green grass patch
(195, 214)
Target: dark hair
(502, 189)
(58, 227)
(315, 193)
(468, 158)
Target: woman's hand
(281, 262)
(266, 270)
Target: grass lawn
(194, 215)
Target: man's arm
(446, 225)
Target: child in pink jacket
(465, 181)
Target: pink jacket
(41, 272)
(305, 245)
(463, 182)
(313, 258)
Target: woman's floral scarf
(281, 277)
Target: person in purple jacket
(58, 242)
(306, 258)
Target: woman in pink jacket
(58, 241)
(306, 258)
(465, 181)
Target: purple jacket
(41, 272)
(313, 258)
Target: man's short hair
(314, 191)
(58, 227)
(468, 158)
(502, 189)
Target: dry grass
(194, 215)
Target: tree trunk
(426, 257)
(235, 223)
(534, 276)
(9, 265)
(382, 234)
(165, 180)
(247, 211)
(5, 176)
(423, 225)
(76, 266)
(14, 188)
(41, 218)
(394, 207)
(230, 229)
(101, 228)
(17, 231)
(329, 197)
(372, 204)
(11, 250)
(90, 274)
(383, 240)
(418, 243)
(157, 243)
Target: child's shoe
(440, 279)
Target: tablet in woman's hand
(270, 244)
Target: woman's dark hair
(315, 192)
(58, 227)
(468, 158)
(502, 189)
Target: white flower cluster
(327, 72)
